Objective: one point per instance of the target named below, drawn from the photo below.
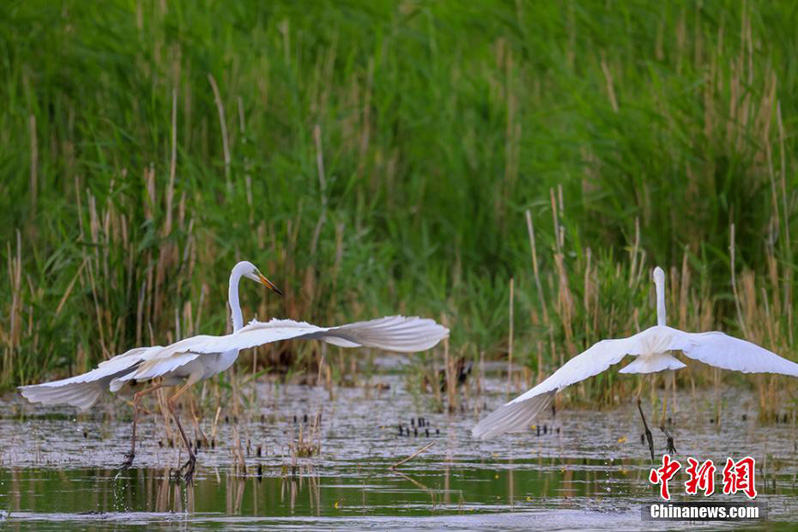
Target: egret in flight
(654, 349)
(201, 357)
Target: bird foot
(671, 446)
(128, 462)
(189, 467)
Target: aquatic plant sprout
(201, 357)
(653, 349)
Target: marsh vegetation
(513, 170)
(373, 161)
(575, 468)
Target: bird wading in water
(653, 350)
(197, 358)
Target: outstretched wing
(393, 333)
(724, 351)
(396, 333)
(178, 354)
(518, 413)
(83, 390)
(713, 348)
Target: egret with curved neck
(201, 357)
(248, 270)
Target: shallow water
(588, 470)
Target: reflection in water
(54, 467)
(457, 488)
(510, 485)
(420, 489)
(234, 494)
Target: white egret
(653, 349)
(201, 357)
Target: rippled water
(583, 469)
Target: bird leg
(192, 459)
(648, 435)
(128, 463)
(671, 447)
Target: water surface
(579, 469)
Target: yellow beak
(270, 284)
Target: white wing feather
(395, 333)
(154, 367)
(518, 413)
(724, 351)
(713, 348)
(83, 390)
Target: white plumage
(396, 333)
(653, 348)
(201, 357)
(84, 390)
(199, 354)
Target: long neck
(232, 298)
(660, 284)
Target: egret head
(248, 270)
(659, 276)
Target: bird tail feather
(653, 364)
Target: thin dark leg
(192, 459)
(136, 398)
(671, 447)
(648, 435)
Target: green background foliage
(379, 157)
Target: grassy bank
(381, 157)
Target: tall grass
(382, 157)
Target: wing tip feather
(511, 417)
